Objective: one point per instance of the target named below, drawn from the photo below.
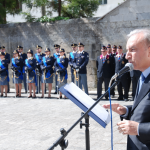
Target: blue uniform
(24, 57)
(55, 55)
(47, 64)
(38, 58)
(72, 56)
(17, 64)
(62, 63)
(81, 60)
(31, 65)
(3, 72)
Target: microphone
(126, 68)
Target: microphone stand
(61, 140)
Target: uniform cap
(47, 50)
(74, 45)
(19, 46)
(103, 47)
(30, 51)
(15, 52)
(3, 47)
(115, 46)
(80, 44)
(108, 46)
(119, 47)
(56, 46)
(61, 50)
(38, 46)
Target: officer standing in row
(105, 66)
(30, 63)
(114, 50)
(24, 57)
(72, 56)
(80, 63)
(56, 55)
(16, 66)
(120, 62)
(7, 57)
(3, 74)
(61, 65)
(47, 71)
(38, 56)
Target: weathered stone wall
(111, 29)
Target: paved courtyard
(34, 124)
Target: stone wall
(93, 32)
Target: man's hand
(119, 109)
(128, 127)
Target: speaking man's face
(138, 52)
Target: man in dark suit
(135, 75)
(136, 123)
(105, 68)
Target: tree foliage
(79, 8)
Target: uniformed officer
(72, 56)
(109, 52)
(114, 50)
(55, 55)
(81, 61)
(30, 63)
(120, 62)
(47, 71)
(135, 75)
(38, 56)
(61, 65)
(24, 57)
(7, 57)
(3, 74)
(16, 66)
(105, 67)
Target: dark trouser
(56, 83)
(38, 81)
(99, 86)
(8, 90)
(113, 90)
(134, 85)
(83, 81)
(72, 77)
(24, 82)
(123, 84)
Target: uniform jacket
(82, 60)
(24, 57)
(140, 112)
(71, 60)
(50, 64)
(64, 62)
(31, 69)
(38, 64)
(7, 57)
(3, 71)
(105, 69)
(55, 55)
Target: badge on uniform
(123, 62)
(108, 62)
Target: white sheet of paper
(88, 102)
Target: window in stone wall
(102, 2)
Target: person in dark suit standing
(38, 56)
(56, 55)
(135, 75)
(24, 57)
(120, 62)
(136, 123)
(7, 57)
(80, 63)
(105, 68)
(72, 56)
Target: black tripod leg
(87, 133)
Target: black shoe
(106, 98)
(36, 92)
(120, 98)
(2, 95)
(126, 100)
(112, 96)
(55, 92)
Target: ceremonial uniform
(56, 55)
(47, 69)
(80, 62)
(38, 57)
(72, 56)
(105, 66)
(3, 72)
(135, 75)
(16, 66)
(120, 62)
(30, 67)
(61, 65)
(24, 57)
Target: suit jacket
(140, 112)
(135, 73)
(105, 69)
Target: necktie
(119, 58)
(142, 79)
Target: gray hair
(146, 33)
